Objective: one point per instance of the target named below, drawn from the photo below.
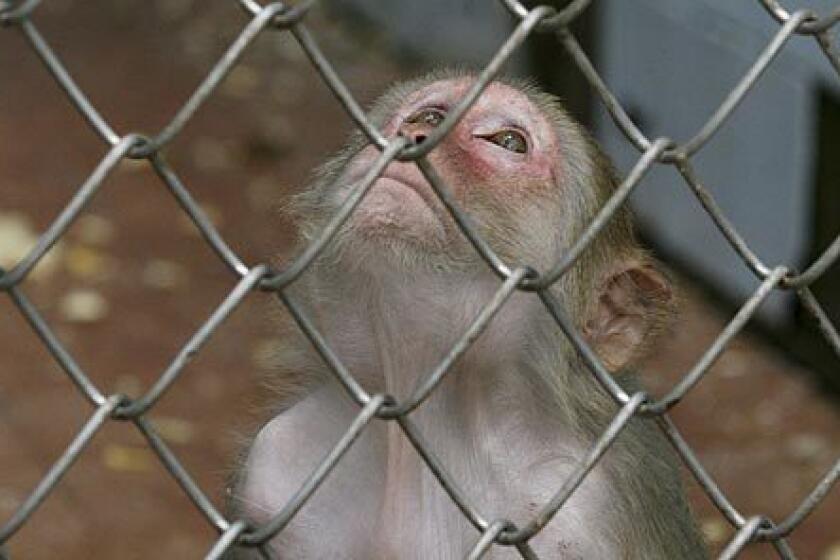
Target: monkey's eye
(431, 117)
(510, 140)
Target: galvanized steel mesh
(279, 17)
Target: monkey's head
(527, 174)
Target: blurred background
(132, 280)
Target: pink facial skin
(403, 203)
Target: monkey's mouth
(401, 206)
(411, 179)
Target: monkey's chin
(394, 213)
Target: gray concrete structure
(671, 64)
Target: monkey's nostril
(418, 138)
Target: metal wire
(280, 17)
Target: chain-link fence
(660, 151)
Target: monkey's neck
(392, 331)
(491, 420)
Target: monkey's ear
(632, 307)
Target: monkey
(399, 283)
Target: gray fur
(647, 515)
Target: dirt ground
(132, 281)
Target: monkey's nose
(416, 136)
(414, 132)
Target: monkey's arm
(285, 453)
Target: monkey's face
(501, 163)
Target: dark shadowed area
(133, 280)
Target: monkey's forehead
(496, 95)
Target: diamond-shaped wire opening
(58, 469)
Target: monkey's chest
(406, 513)
(383, 502)
(420, 519)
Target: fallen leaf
(175, 430)
(94, 230)
(832, 552)
(17, 238)
(714, 530)
(83, 306)
(808, 447)
(87, 263)
(164, 275)
(129, 459)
